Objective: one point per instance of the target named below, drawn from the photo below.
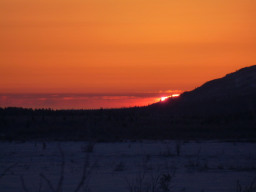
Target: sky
(121, 47)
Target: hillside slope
(234, 93)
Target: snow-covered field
(209, 166)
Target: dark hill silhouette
(235, 93)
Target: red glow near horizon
(76, 101)
(84, 101)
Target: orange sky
(122, 46)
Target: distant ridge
(234, 93)
(241, 82)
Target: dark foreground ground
(122, 124)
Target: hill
(233, 94)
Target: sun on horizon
(166, 97)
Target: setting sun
(175, 95)
(164, 98)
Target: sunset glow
(122, 46)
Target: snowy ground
(210, 166)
